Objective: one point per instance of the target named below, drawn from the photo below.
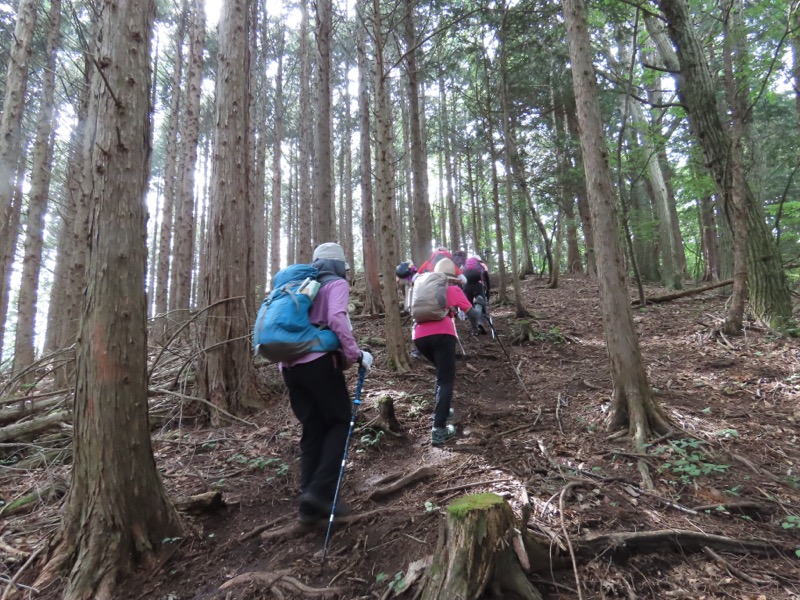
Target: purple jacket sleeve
(338, 297)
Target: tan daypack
(429, 297)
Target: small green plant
(372, 437)
(791, 522)
(170, 540)
(727, 433)
(396, 581)
(689, 460)
(430, 506)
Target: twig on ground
(564, 490)
(558, 413)
(457, 488)
(13, 581)
(733, 570)
(348, 520)
(202, 401)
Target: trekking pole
(356, 402)
(503, 346)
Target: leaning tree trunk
(116, 510)
(633, 406)
(480, 551)
(769, 294)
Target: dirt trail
(731, 470)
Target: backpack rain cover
(283, 331)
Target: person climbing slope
(477, 291)
(434, 336)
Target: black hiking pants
(320, 401)
(440, 349)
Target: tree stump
(476, 553)
(387, 419)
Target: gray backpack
(429, 297)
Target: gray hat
(332, 251)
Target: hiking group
(304, 327)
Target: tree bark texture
(373, 303)
(633, 406)
(259, 91)
(16, 83)
(116, 510)
(421, 238)
(306, 151)
(475, 553)
(277, 142)
(769, 295)
(24, 347)
(323, 181)
(167, 231)
(185, 228)
(225, 372)
(395, 341)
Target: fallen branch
(17, 430)
(201, 503)
(458, 488)
(684, 293)
(683, 539)
(734, 571)
(419, 474)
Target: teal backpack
(283, 331)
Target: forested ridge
(627, 171)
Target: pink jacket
(330, 309)
(456, 298)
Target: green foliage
(372, 438)
(394, 583)
(261, 463)
(689, 460)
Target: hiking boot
(482, 329)
(474, 333)
(313, 509)
(439, 435)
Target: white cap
(332, 251)
(447, 266)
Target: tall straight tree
(167, 230)
(421, 208)
(277, 143)
(770, 298)
(519, 303)
(395, 341)
(116, 509)
(182, 261)
(323, 180)
(24, 353)
(633, 406)
(225, 371)
(373, 303)
(11, 145)
(306, 149)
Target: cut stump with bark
(387, 421)
(476, 552)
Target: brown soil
(731, 469)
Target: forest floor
(730, 470)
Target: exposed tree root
(274, 580)
(299, 528)
(201, 503)
(684, 540)
(418, 475)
